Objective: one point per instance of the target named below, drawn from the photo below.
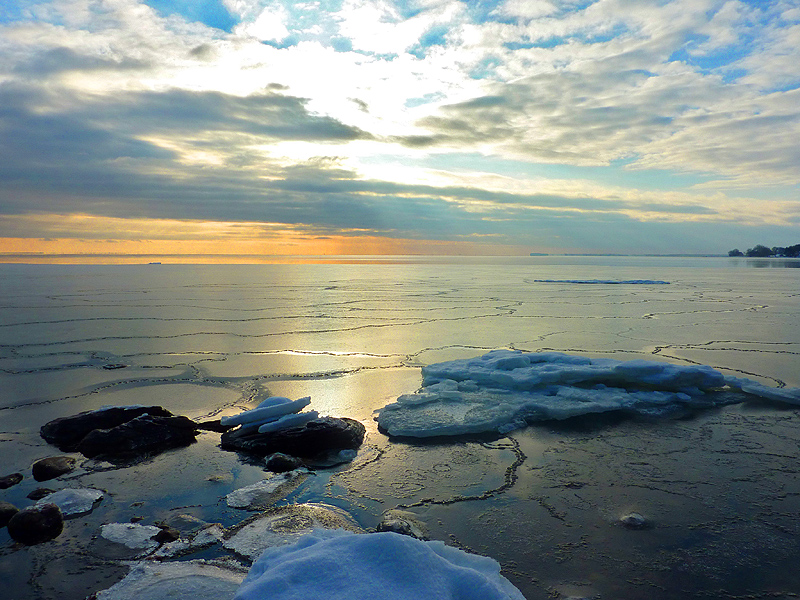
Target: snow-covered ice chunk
(264, 492)
(267, 413)
(294, 420)
(73, 501)
(784, 394)
(338, 565)
(197, 580)
(506, 389)
(273, 401)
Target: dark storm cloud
(101, 149)
(268, 114)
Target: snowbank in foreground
(340, 565)
(505, 389)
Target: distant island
(762, 251)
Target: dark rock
(167, 534)
(67, 432)
(10, 480)
(214, 425)
(7, 510)
(634, 521)
(146, 434)
(40, 493)
(316, 437)
(404, 523)
(52, 467)
(36, 524)
(281, 463)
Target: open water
(720, 490)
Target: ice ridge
(507, 389)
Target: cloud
(353, 117)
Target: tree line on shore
(762, 251)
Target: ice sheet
(505, 389)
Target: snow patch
(339, 565)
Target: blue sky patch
(209, 12)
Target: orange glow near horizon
(93, 239)
(77, 251)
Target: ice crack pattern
(718, 489)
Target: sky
(272, 127)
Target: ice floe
(605, 281)
(285, 525)
(506, 389)
(196, 579)
(264, 493)
(339, 565)
(133, 535)
(73, 501)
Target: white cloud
(268, 26)
(563, 84)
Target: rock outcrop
(146, 434)
(67, 432)
(315, 438)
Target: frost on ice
(340, 565)
(506, 389)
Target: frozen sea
(719, 488)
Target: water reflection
(768, 263)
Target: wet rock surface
(146, 434)
(281, 463)
(317, 437)
(52, 467)
(36, 524)
(67, 432)
(39, 493)
(8, 481)
(7, 510)
(634, 521)
(404, 523)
